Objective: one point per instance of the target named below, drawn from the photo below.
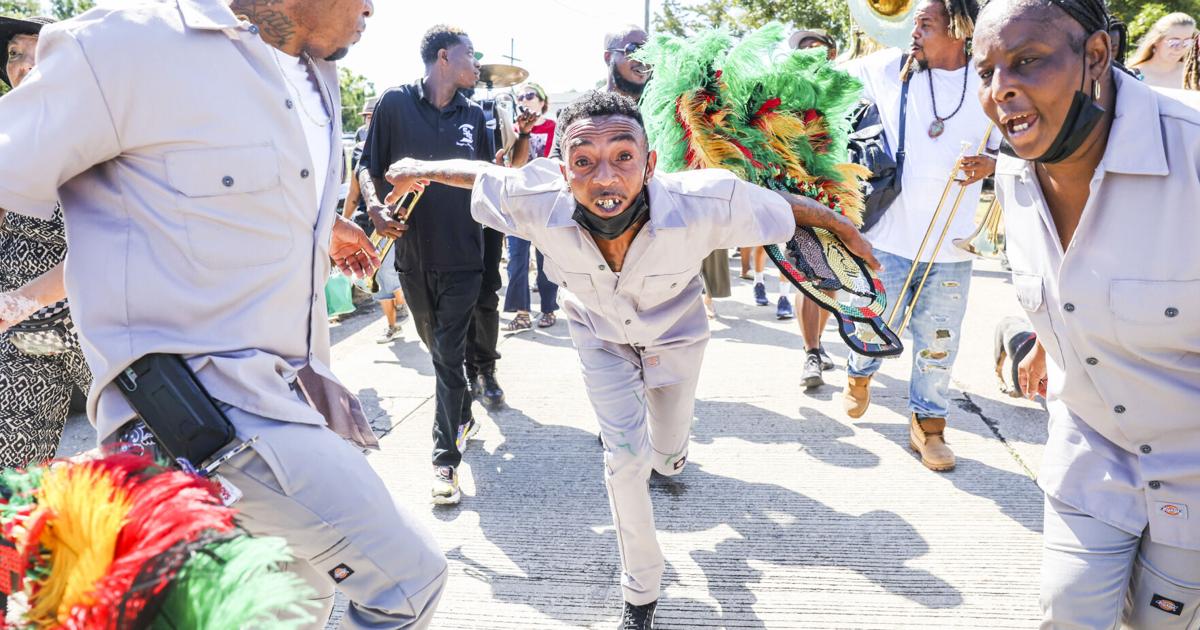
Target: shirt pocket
(1158, 320)
(658, 289)
(232, 204)
(579, 284)
(1031, 293)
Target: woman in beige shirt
(1099, 197)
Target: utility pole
(647, 26)
(512, 53)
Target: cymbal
(498, 75)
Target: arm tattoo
(457, 173)
(367, 186)
(277, 27)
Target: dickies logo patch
(341, 572)
(1167, 605)
(1172, 510)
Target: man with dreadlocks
(929, 115)
(1100, 198)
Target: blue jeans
(516, 297)
(935, 326)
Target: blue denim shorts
(387, 277)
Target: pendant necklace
(938, 126)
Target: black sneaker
(811, 375)
(489, 391)
(638, 617)
(826, 361)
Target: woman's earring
(1096, 90)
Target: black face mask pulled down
(1082, 118)
(616, 225)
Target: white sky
(560, 42)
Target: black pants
(485, 326)
(442, 304)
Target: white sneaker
(390, 334)
(445, 486)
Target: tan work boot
(857, 395)
(925, 436)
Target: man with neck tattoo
(1099, 195)
(939, 118)
(625, 244)
(206, 234)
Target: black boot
(638, 617)
(489, 391)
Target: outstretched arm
(409, 175)
(809, 213)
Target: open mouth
(608, 204)
(1019, 124)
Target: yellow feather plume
(80, 538)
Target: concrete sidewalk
(789, 514)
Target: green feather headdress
(778, 118)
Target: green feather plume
(237, 584)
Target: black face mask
(616, 225)
(1082, 118)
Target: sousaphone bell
(889, 22)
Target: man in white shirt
(625, 245)
(940, 117)
(1100, 205)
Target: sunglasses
(1176, 42)
(528, 96)
(629, 48)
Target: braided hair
(1191, 66)
(1093, 16)
(962, 17)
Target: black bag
(869, 147)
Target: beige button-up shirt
(654, 303)
(1118, 313)
(188, 189)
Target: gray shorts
(387, 277)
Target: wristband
(523, 135)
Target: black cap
(12, 26)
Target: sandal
(520, 323)
(547, 320)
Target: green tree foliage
(19, 7)
(1141, 16)
(356, 89)
(684, 17)
(64, 9)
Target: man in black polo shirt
(440, 258)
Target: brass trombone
(384, 244)
(912, 270)
(986, 241)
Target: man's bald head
(624, 35)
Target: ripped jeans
(935, 325)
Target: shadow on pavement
(818, 434)
(557, 531)
(1017, 496)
